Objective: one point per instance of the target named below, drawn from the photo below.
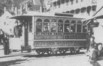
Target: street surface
(58, 60)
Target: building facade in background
(80, 8)
(29, 6)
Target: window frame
(53, 21)
(47, 27)
(79, 23)
(60, 22)
(66, 25)
(74, 31)
(37, 20)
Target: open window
(53, 25)
(38, 26)
(67, 26)
(46, 27)
(79, 26)
(60, 26)
(73, 26)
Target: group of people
(4, 40)
(95, 50)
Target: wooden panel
(62, 36)
(75, 36)
(59, 44)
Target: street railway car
(50, 34)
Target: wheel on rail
(77, 50)
(39, 52)
(54, 51)
(72, 50)
(61, 52)
(48, 52)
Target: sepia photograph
(51, 32)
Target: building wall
(81, 8)
(30, 5)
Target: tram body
(52, 34)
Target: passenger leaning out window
(68, 29)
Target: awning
(94, 7)
(72, 11)
(83, 9)
(77, 10)
(89, 9)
